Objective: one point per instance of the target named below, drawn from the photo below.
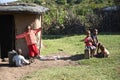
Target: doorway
(7, 34)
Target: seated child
(19, 59)
(103, 51)
(88, 43)
(94, 37)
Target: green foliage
(78, 1)
(117, 2)
(61, 2)
(61, 9)
(72, 25)
(92, 20)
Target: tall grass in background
(89, 69)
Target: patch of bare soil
(15, 73)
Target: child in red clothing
(89, 43)
(30, 38)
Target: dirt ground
(15, 73)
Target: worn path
(15, 73)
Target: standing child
(30, 37)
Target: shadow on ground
(4, 65)
(73, 57)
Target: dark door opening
(7, 34)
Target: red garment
(29, 36)
(88, 41)
(31, 41)
(33, 50)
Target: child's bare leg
(87, 53)
(92, 53)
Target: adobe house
(14, 18)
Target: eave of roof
(23, 7)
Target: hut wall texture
(21, 22)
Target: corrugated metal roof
(22, 7)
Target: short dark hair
(19, 51)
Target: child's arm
(37, 30)
(86, 40)
(21, 36)
(98, 48)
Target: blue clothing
(20, 60)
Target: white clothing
(20, 60)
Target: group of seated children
(92, 44)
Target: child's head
(95, 31)
(88, 33)
(102, 48)
(19, 51)
(28, 28)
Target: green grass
(69, 44)
(89, 69)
